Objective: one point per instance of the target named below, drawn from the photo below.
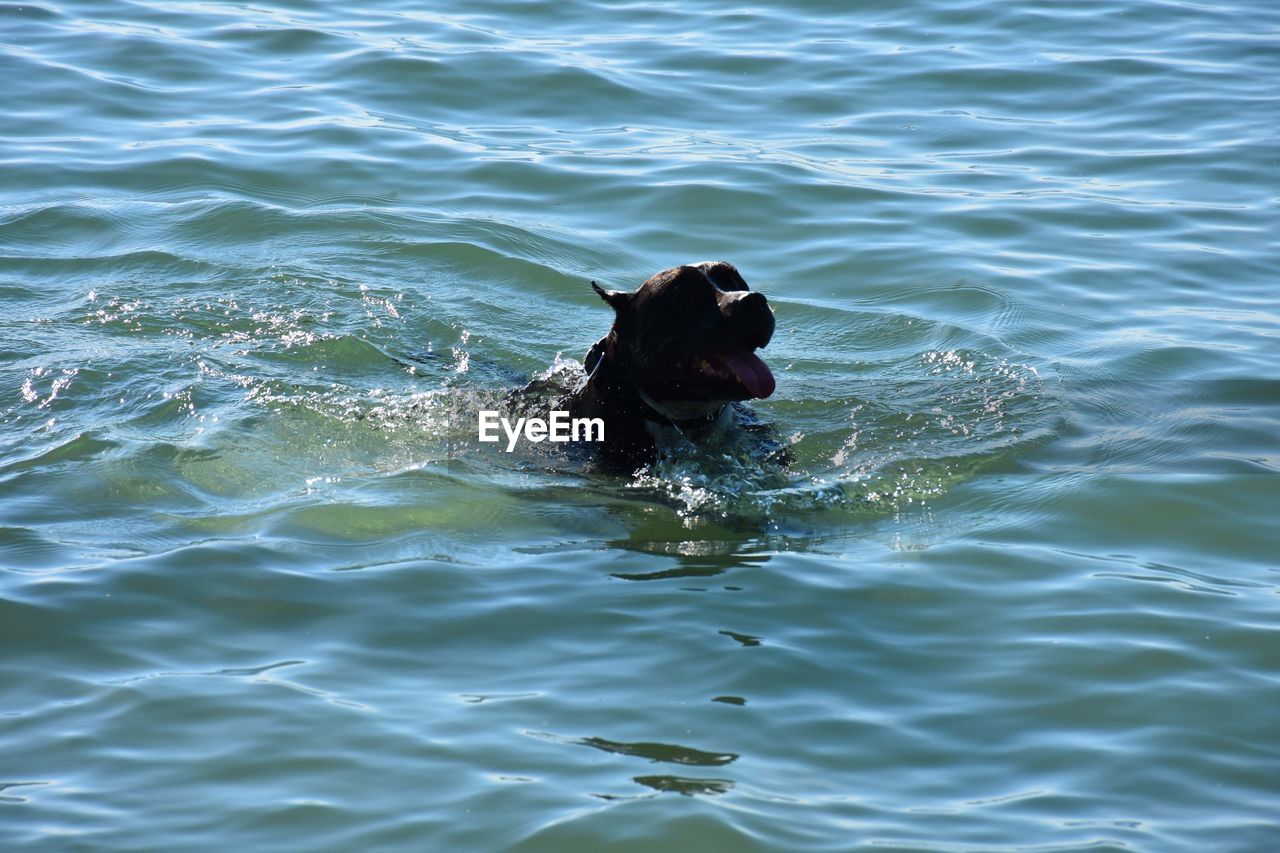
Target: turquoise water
(260, 586)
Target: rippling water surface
(260, 586)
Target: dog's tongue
(751, 371)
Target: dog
(680, 356)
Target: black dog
(681, 352)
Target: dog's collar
(652, 410)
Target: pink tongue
(753, 373)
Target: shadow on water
(659, 753)
(696, 557)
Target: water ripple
(1010, 586)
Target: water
(262, 587)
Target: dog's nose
(749, 314)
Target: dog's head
(687, 337)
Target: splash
(909, 436)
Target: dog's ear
(723, 275)
(617, 299)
